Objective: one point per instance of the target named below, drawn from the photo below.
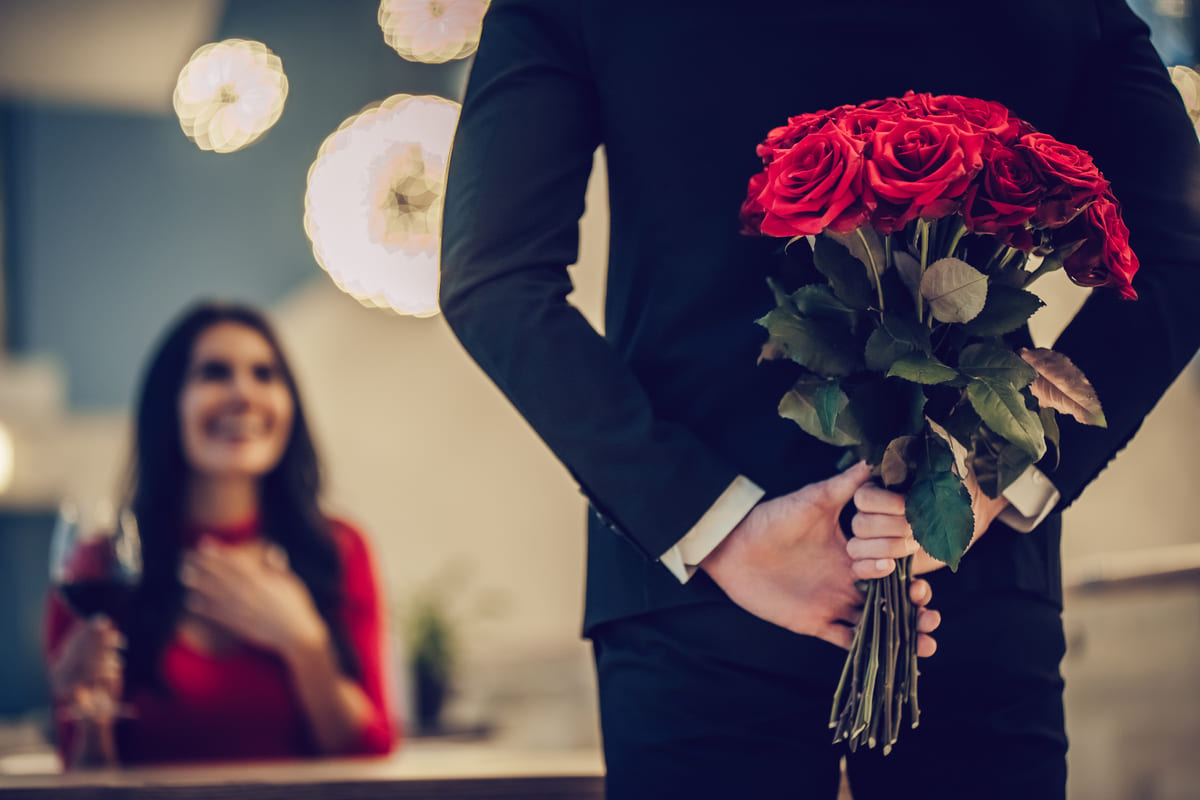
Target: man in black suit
(718, 577)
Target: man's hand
(787, 563)
(882, 531)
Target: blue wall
(115, 221)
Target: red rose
(982, 116)
(861, 122)
(1104, 258)
(783, 137)
(752, 211)
(1004, 197)
(919, 168)
(1071, 177)
(814, 185)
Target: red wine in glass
(99, 596)
(95, 560)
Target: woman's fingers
(881, 533)
(920, 592)
(872, 499)
(872, 525)
(861, 549)
(211, 572)
(872, 568)
(928, 620)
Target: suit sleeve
(1131, 119)
(530, 123)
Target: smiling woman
(236, 407)
(256, 631)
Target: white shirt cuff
(717, 523)
(1031, 498)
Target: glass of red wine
(96, 563)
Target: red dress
(240, 704)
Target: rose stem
(854, 660)
(864, 717)
(923, 235)
(959, 233)
(889, 682)
(874, 267)
(841, 687)
(1042, 270)
(905, 644)
(913, 672)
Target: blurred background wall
(112, 221)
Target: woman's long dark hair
(157, 482)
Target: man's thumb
(841, 487)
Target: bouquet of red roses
(928, 217)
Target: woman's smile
(235, 409)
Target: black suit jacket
(656, 418)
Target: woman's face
(235, 409)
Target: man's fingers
(841, 487)
(872, 568)
(840, 635)
(873, 499)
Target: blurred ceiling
(118, 54)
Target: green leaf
(1050, 425)
(825, 349)
(957, 449)
(780, 294)
(897, 461)
(895, 337)
(1061, 385)
(936, 455)
(920, 368)
(1006, 310)
(846, 274)
(819, 408)
(997, 376)
(818, 301)
(1013, 272)
(885, 408)
(829, 400)
(995, 364)
(938, 508)
(1013, 463)
(996, 463)
(853, 241)
(910, 271)
(882, 350)
(962, 424)
(956, 291)
(1064, 250)
(1002, 409)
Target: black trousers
(707, 701)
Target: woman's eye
(214, 371)
(265, 373)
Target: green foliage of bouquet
(927, 217)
